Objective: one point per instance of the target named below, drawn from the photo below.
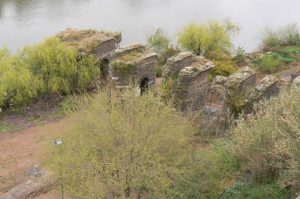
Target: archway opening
(104, 68)
(144, 85)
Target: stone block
(266, 88)
(176, 63)
(192, 85)
(239, 86)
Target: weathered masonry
(220, 99)
(120, 67)
(134, 65)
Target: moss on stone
(86, 40)
(129, 57)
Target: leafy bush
(269, 63)
(288, 35)
(158, 41)
(124, 150)
(17, 85)
(167, 87)
(162, 46)
(223, 65)
(212, 40)
(255, 191)
(59, 68)
(46, 68)
(268, 143)
(239, 57)
(202, 39)
(214, 171)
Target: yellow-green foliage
(17, 85)
(268, 143)
(207, 37)
(124, 150)
(167, 87)
(223, 64)
(212, 40)
(59, 68)
(46, 68)
(213, 171)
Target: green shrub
(224, 67)
(239, 57)
(214, 170)
(46, 68)
(59, 68)
(166, 54)
(162, 46)
(158, 71)
(269, 63)
(167, 87)
(288, 35)
(255, 191)
(124, 150)
(158, 41)
(268, 143)
(17, 85)
(208, 37)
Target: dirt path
(20, 151)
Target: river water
(28, 21)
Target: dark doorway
(144, 85)
(104, 68)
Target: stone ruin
(134, 65)
(100, 43)
(220, 99)
(192, 79)
(120, 67)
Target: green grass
(6, 127)
(255, 191)
(275, 61)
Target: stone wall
(239, 86)
(266, 88)
(106, 48)
(146, 68)
(176, 63)
(139, 65)
(192, 85)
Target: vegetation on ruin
(141, 147)
(130, 56)
(43, 69)
(85, 40)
